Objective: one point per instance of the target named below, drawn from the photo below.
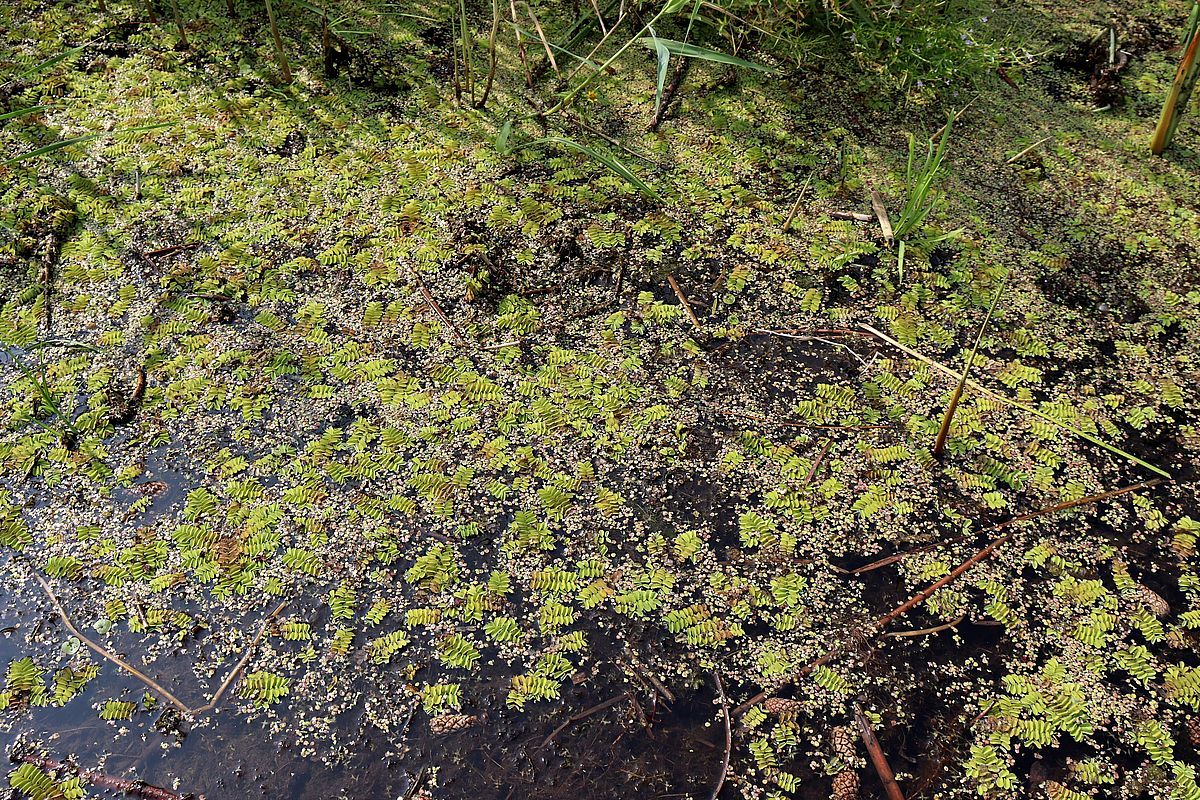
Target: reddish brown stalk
(929, 591)
(1083, 501)
(812, 473)
(683, 299)
(1041, 512)
(132, 788)
(982, 554)
(878, 759)
(892, 559)
(886, 619)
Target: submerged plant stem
(98, 649)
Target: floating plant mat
(363, 436)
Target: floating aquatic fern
(264, 688)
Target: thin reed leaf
(688, 50)
(944, 432)
(1016, 403)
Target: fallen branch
(659, 686)
(132, 788)
(854, 215)
(638, 712)
(237, 669)
(728, 736)
(878, 759)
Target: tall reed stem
(183, 40)
(1181, 87)
(280, 55)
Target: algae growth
(451, 448)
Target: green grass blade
(22, 112)
(587, 62)
(686, 50)
(613, 164)
(52, 147)
(502, 146)
(50, 62)
(1005, 399)
(59, 145)
(664, 58)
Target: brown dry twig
(237, 669)
(437, 309)
(954, 623)
(571, 720)
(812, 473)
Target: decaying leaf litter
(421, 403)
